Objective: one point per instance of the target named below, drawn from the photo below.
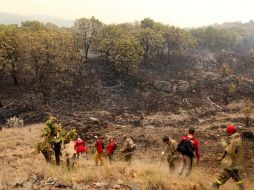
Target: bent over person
(232, 161)
(187, 147)
(128, 148)
(171, 152)
(80, 147)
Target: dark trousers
(110, 156)
(128, 157)
(226, 175)
(57, 150)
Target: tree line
(41, 54)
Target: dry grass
(18, 160)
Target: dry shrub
(157, 185)
(15, 122)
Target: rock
(50, 181)
(94, 120)
(77, 187)
(18, 185)
(17, 182)
(120, 182)
(33, 179)
(62, 185)
(42, 182)
(183, 86)
(35, 187)
(133, 186)
(100, 184)
(28, 185)
(1, 187)
(174, 88)
(163, 86)
(40, 177)
(117, 186)
(85, 187)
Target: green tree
(147, 23)
(87, 30)
(178, 42)
(107, 39)
(10, 47)
(126, 55)
(33, 25)
(49, 55)
(215, 39)
(150, 41)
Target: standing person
(171, 152)
(80, 146)
(187, 146)
(111, 149)
(99, 149)
(232, 161)
(128, 148)
(53, 131)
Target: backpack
(185, 147)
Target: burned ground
(156, 101)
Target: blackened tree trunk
(14, 69)
(57, 150)
(107, 57)
(87, 47)
(145, 55)
(169, 53)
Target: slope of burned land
(158, 100)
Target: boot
(241, 187)
(215, 186)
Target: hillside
(144, 79)
(10, 18)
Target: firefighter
(99, 149)
(187, 147)
(232, 161)
(54, 130)
(171, 152)
(80, 147)
(128, 148)
(111, 149)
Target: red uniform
(195, 143)
(99, 146)
(80, 146)
(111, 148)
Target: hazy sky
(178, 12)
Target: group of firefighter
(188, 148)
(127, 148)
(182, 152)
